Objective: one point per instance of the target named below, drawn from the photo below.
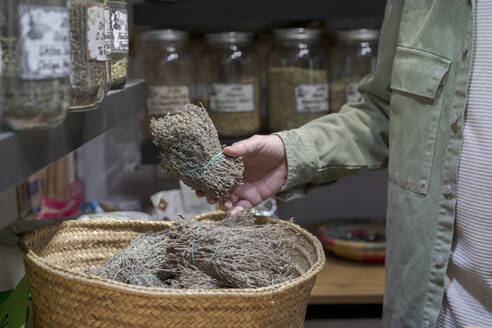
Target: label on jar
(95, 32)
(119, 31)
(44, 41)
(232, 98)
(166, 99)
(107, 31)
(353, 94)
(312, 98)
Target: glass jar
(354, 57)
(118, 56)
(35, 62)
(231, 73)
(297, 78)
(89, 75)
(168, 67)
(107, 42)
(2, 22)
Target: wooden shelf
(29, 151)
(345, 282)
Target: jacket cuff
(301, 159)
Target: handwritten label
(232, 98)
(95, 32)
(166, 99)
(353, 94)
(311, 98)
(44, 41)
(107, 30)
(119, 31)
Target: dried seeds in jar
(89, 76)
(35, 62)
(231, 73)
(296, 96)
(298, 89)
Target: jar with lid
(34, 62)
(297, 74)
(2, 22)
(168, 67)
(354, 57)
(231, 72)
(89, 74)
(118, 52)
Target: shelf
(345, 282)
(199, 15)
(24, 153)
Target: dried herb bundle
(191, 151)
(235, 253)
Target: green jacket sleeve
(339, 145)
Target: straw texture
(64, 296)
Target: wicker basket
(64, 296)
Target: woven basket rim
(169, 292)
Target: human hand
(265, 172)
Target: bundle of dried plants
(191, 151)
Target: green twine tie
(205, 167)
(217, 249)
(213, 255)
(193, 248)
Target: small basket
(333, 237)
(64, 296)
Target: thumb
(245, 147)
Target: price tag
(119, 31)
(166, 99)
(44, 42)
(312, 98)
(232, 98)
(95, 32)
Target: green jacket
(410, 120)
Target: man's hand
(265, 172)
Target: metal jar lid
(360, 34)
(229, 37)
(165, 35)
(297, 33)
